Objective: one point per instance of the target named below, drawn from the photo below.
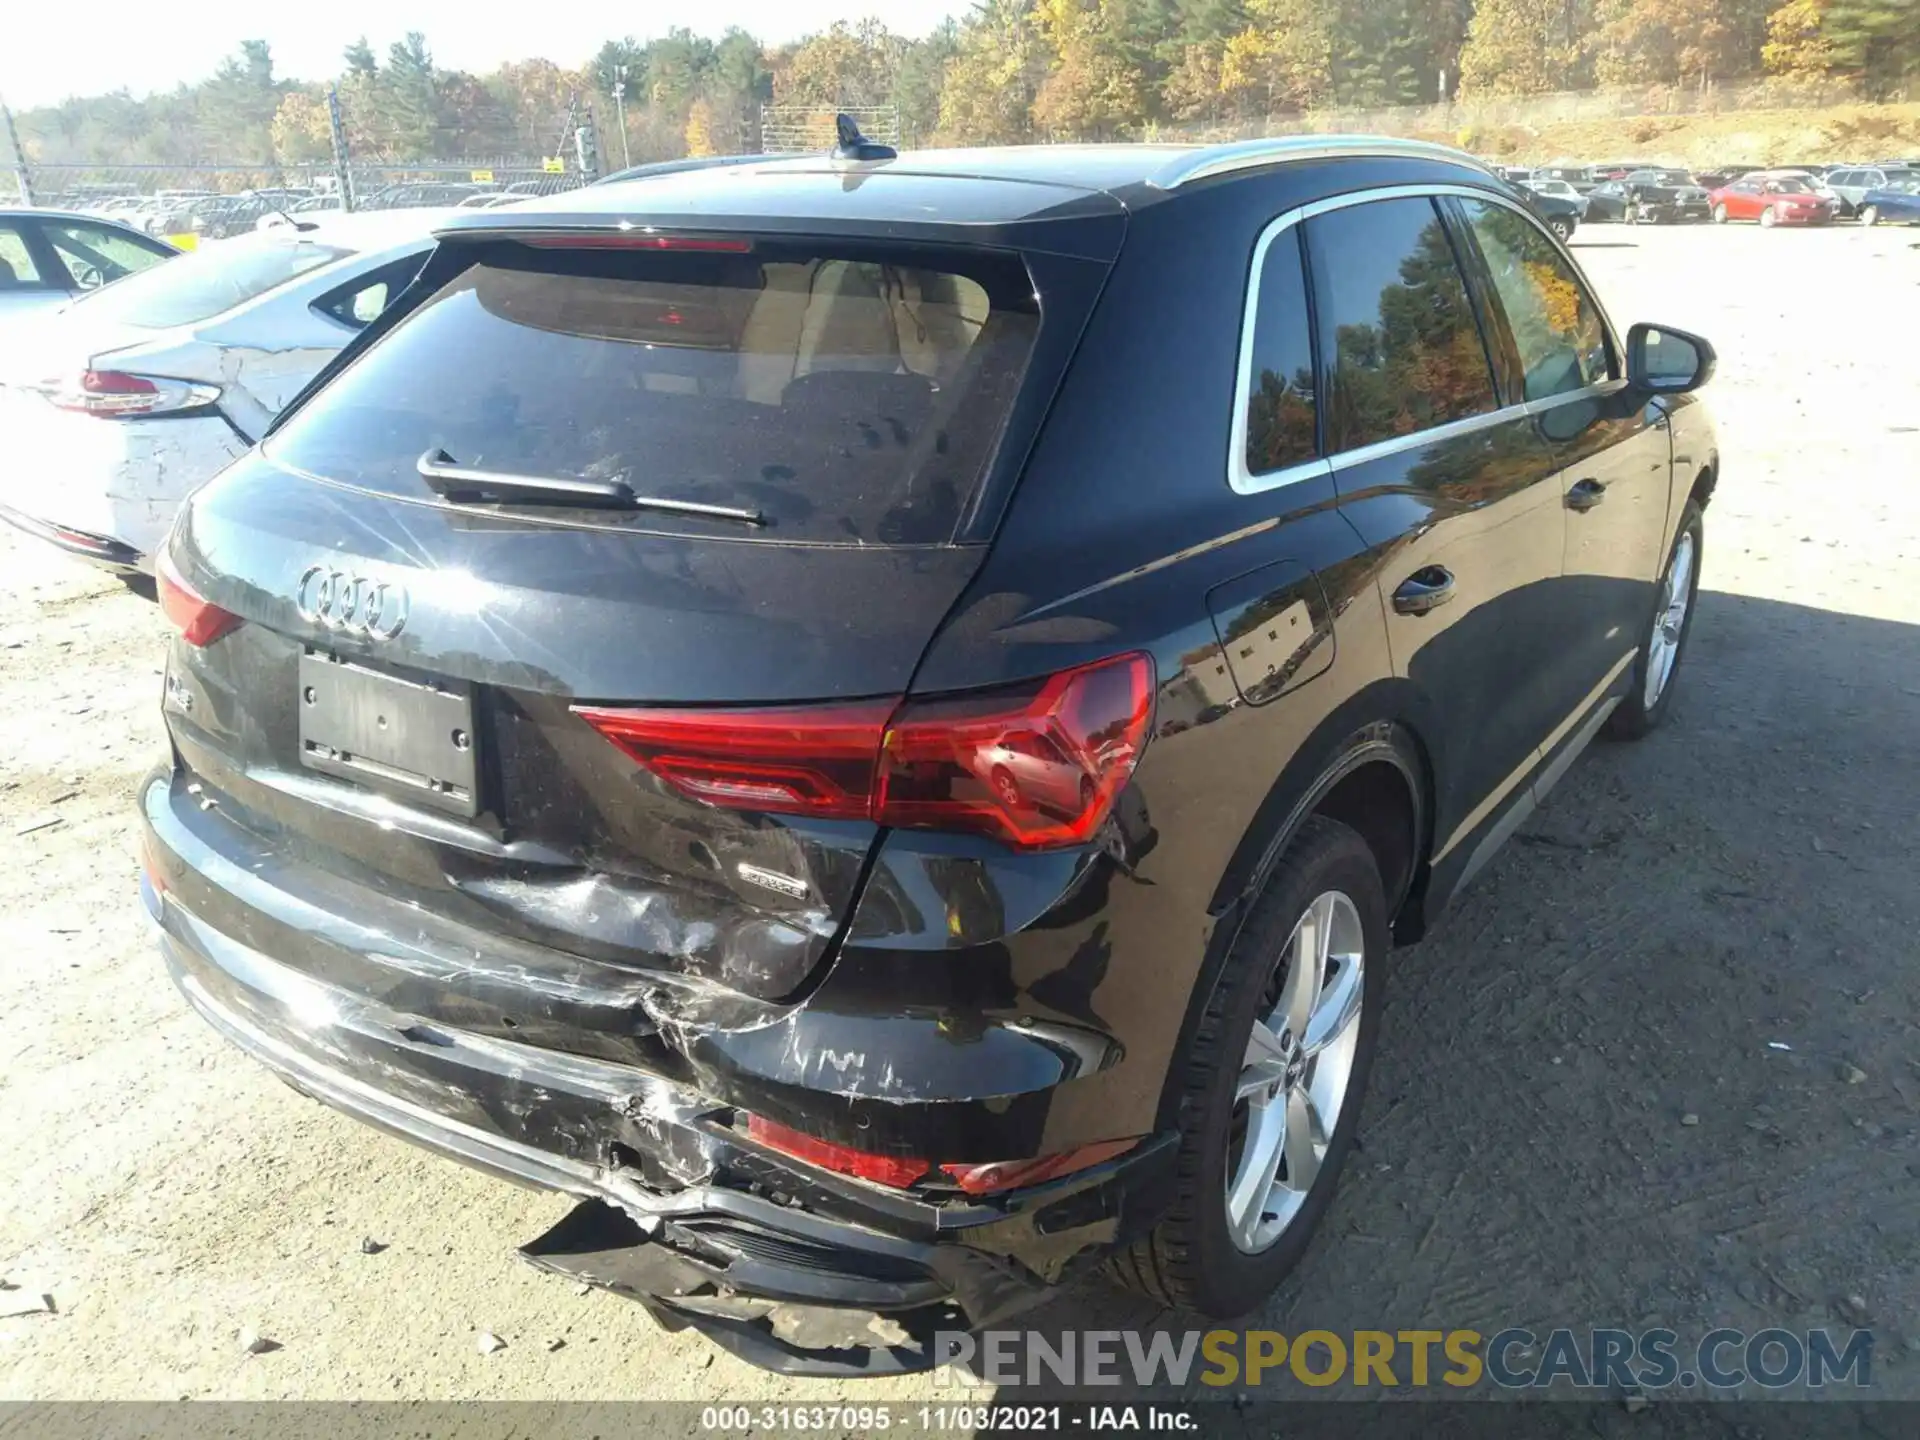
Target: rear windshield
(209, 281)
(847, 395)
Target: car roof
(996, 186)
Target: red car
(1783, 200)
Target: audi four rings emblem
(353, 604)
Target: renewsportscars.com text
(1513, 1359)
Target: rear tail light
(971, 1179)
(841, 1159)
(112, 394)
(1037, 766)
(199, 621)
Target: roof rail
(1212, 160)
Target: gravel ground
(1744, 878)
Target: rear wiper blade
(458, 482)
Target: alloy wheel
(1294, 1078)
(1870, 215)
(1670, 619)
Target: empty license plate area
(395, 734)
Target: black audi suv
(878, 720)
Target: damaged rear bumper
(793, 1269)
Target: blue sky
(48, 53)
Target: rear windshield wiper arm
(458, 482)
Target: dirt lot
(1745, 878)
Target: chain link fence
(186, 204)
(802, 129)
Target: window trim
(1243, 482)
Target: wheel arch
(1368, 765)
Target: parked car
(168, 212)
(1563, 215)
(1772, 200)
(1607, 202)
(1563, 190)
(1896, 203)
(136, 394)
(1580, 177)
(47, 257)
(417, 195)
(1851, 184)
(1711, 180)
(1669, 205)
(528, 794)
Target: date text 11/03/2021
(958, 1418)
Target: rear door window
(17, 270)
(1280, 399)
(95, 255)
(359, 302)
(850, 395)
(1399, 344)
(208, 282)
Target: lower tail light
(1037, 766)
(899, 1173)
(199, 621)
(113, 394)
(841, 1159)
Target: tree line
(1009, 71)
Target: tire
(1636, 717)
(1769, 218)
(1561, 227)
(1192, 1259)
(141, 585)
(1719, 214)
(1870, 215)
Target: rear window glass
(852, 396)
(210, 281)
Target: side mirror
(1667, 362)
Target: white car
(1560, 189)
(113, 410)
(49, 256)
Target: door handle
(1423, 591)
(1585, 494)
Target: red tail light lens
(987, 1179)
(841, 1159)
(1037, 767)
(199, 621)
(811, 760)
(1037, 771)
(111, 394)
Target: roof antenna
(855, 146)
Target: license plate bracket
(396, 735)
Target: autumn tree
(1282, 59)
(991, 84)
(1512, 49)
(1797, 46)
(1094, 88)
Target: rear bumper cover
(791, 1268)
